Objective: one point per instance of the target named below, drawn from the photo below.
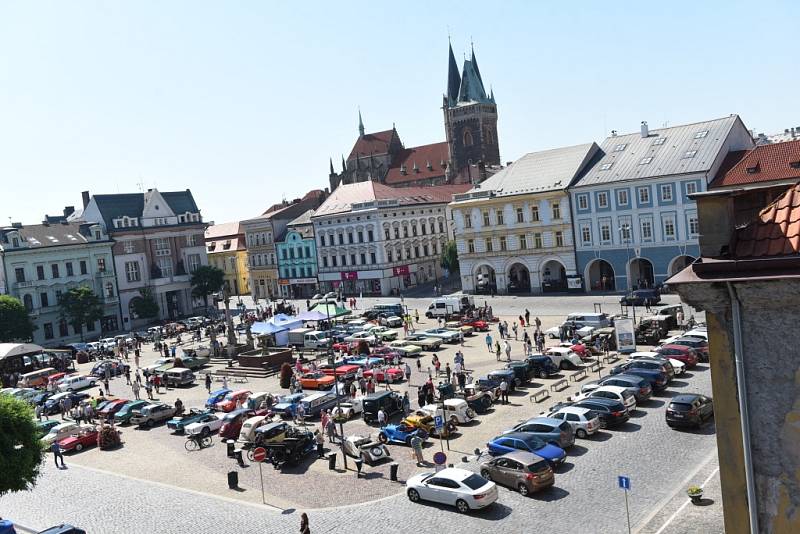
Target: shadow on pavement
(652, 403)
(553, 493)
(600, 436)
(627, 427)
(495, 512)
(566, 467)
(637, 413)
(577, 450)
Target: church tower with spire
(470, 121)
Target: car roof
(378, 395)
(628, 378)
(519, 435)
(686, 397)
(270, 426)
(524, 457)
(454, 473)
(613, 389)
(545, 420)
(580, 410)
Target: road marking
(679, 510)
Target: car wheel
(205, 432)
(79, 447)
(453, 421)
(542, 374)
(413, 495)
(377, 452)
(563, 365)
(462, 506)
(150, 423)
(523, 489)
(517, 382)
(485, 474)
(384, 439)
(580, 433)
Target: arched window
(487, 136)
(28, 301)
(467, 137)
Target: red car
(346, 370)
(684, 354)
(395, 374)
(478, 324)
(112, 407)
(228, 404)
(581, 350)
(86, 436)
(345, 347)
(232, 423)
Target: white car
(108, 343)
(158, 363)
(457, 411)
(453, 486)
(205, 428)
(76, 382)
(60, 431)
(552, 333)
(348, 409)
(392, 321)
(564, 358)
(361, 336)
(584, 421)
(678, 366)
(617, 393)
(383, 333)
(366, 448)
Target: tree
(206, 280)
(146, 306)
(21, 452)
(80, 306)
(450, 257)
(15, 324)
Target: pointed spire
(475, 62)
(360, 124)
(491, 94)
(332, 171)
(453, 78)
(344, 166)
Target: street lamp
(625, 235)
(336, 391)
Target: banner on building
(626, 338)
(350, 275)
(402, 270)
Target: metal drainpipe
(744, 416)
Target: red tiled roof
(344, 196)
(764, 163)
(776, 230)
(434, 154)
(372, 143)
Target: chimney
(85, 196)
(69, 210)
(16, 225)
(613, 133)
(645, 130)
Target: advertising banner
(626, 338)
(402, 270)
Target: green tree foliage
(146, 306)
(450, 257)
(206, 280)
(15, 324)
(21, 452)
(80, 306)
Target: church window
(487, 134)
(467, 138)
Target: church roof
(453, 78)
(437, 154)
(472, 89)
(372, 143)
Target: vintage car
(423, 341)
(348, 409)
(478, 399)
(457, 411)
(194, 362)
(205, 427)
(111, 407)
(295, 445)
(316, 380)
(268, 432)
(59, 432)
(43, 427)
(358, 337)
(383, 333)
(339, 369)
(401, 433)
(447, 336)
(286, 405)
(423, 420)
(457, 326)
(366, 448)
(247, 434)
(195, 415)
(390, 320)
(152, 414)
(126, 412)
(216, 396)
(478, 324)
(395, 374)
(229, 403)
(406, 348)
(85, 436)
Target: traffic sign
(260, 454)
(624, 482)
(439, 458)
(438, 421)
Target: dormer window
(753, 170)
(795, 164)
(97, 234)
(15, 242)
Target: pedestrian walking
(504, 391)
(508, 350)
(128, 375)
(224, 382)
(448, 371)
(489, 342)
(135, 389)
(538, 323)
(461, 338)
(527, 316)
(406, 404)
(105, 386)
(408, 371)
(416, 446)
(319, 437)
(419, 365)
(416, 316)
(148, 387)
(208, 383)
(331, 428)
(521, 321)
(497, 350)
(304, 528)
(38, 412)
(300, 415)
(514, 329)
(381, 418)
(55, 448)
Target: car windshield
(679, 406)
(538, 466)
(534, 443)
(474, 481)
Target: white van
(298, 335)
(595, 320)
(445, 306)
(74, 383)
(315, 340)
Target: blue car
(216, 396)
(523, 441)
(288, 405)
(400, 434)
(362, 362)
(178, 424)
(497, 377)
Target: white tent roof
(18, 349)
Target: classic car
(111, 407)
(383, 333)
(366, 448)
(478, 324)
(316, 380)
(348, 409)
(358, 337)
(286, 405)
(216, 396)
(423, 420)
(447, 336)
(401, 433)
(205, 427)
(406, 348)
(43, 427)
(457, 411)
(85, 436)
(457, 326)
(229, 403)
(292, 448)
(395, 374)
(339, 369)
(195, 415)
(424, 341)
(126, 412)
(152, 414)
(59, 431)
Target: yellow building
(227, 252)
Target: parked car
(179, 423)
(111, 407)
(457, 411)
(637, 385)
(406, 348)
(447, 336)
(423, 420)
(229, 403)
(689, 410)
(125, 413)
(456, 487)
(658, 380)
(287, 405)
(542, 366)
(678, 367)
(390, 401)
(617, 393)
(671, 313)
(499, 375)
(584, 421)
(347, 409)
(401, 433)
(216, 396)
(395, 374)
(522, 372)
(45, 425)
(699, 345)
(316, 380)
(390, 320)
(366, 448)
(682, 353)
(383, 333)
(424, 341)
(84, 436)
(115, 368)
(640, 296)
(547, 429)
(152, 414)
(521, 470)
(232, 423)
(205, 427)
(178, 376)
(52, 405)
(564, 357)
(650, 365)
(358, 337)
(59, 432)
(459, 327)
(612, 413)
(76, 382)
(478, 324)
(523, 441)
(247, 434)
(157, 364)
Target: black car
(658, 380)
(522, 372)
(542, 366)
(115, 367)
(612, 413)
(391, 403)
(689, 410)
(640, 297)
(498, 376)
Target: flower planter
(696, 496)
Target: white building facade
(513, 232)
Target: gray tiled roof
(542, 171)
(303, 219)
(668, 158)
(51, 235)
(131, 204)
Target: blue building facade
(634, 224)
(297, 259)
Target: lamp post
(336, 390)
(625, 235)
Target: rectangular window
(691, 188)
(83, 267)
(19, 273)
(372, 258)
(441, 227)
(44, 299)
(405, 231)
(559, 239)
(605, 233)
(523, 242)
(322, 239)
(499, 215)
(48, 330)
(666, 192)
(165, 264)
(556, 211)
(503, 244)
(90, 327)
(132, 273)
(606, 166)
(350, 237)
(334, 261)
(423, 228)
(669, 228)
(54, 268)
(468, 220)
(341, 239)
(161, 245)
(586, 235)
(397, 232)
(40, 272)
(625, 231)
(602, 199)
(324, 261)
(622, 197)
(70, 270)
(191, 240)
(620, 147)
(389, 256)
(470, 246)
(194, 262)
(694, 226)
(371, 236)
(537, 240)
(353, 259)
(583, 202)
(645, 161)
(63, 331)
(416, 252)
(363, 258)
(535, 213)
(644, 195)
(701, 135)
(689, 154)
(486, 218)
(101, 265)
(647, 230)
(660, 141)
(489, 245)
(344, 260)
(520, 215)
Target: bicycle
(194, 443)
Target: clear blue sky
(244, 102)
